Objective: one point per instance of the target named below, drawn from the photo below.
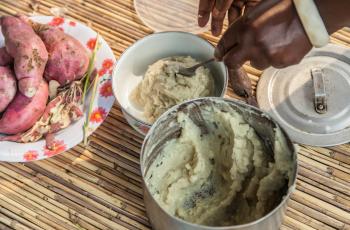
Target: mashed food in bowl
(220, 173)
(162, 88)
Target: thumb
(236, 56)
(240, 82)
(229, 39)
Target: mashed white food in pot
(162, 88)
(222, 177)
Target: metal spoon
(189, 72)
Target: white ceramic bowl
(133, 63)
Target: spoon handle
(201, 64)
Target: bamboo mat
(100, 187)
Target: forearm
(335, 13)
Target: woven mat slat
(99, 186)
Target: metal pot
(166, 128)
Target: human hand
(271, 34)
(241, 85)
(218, 10)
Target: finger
(240, 82)
(250, 5)
(233, 14)
(229, 39)
(242, 85)
(236, 56)
(251, 100)
(204, 10)
(218, 15)
(235, 10)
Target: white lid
(170, 15)
(311, 99)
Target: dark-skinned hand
(218, 9)
(271, 34)
(268, 34)
(239, 79)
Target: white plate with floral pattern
(103, 101)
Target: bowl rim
(116, 66)
(285, 198)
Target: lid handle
(320, 99)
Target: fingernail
(202, 19)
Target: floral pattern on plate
(103, 101)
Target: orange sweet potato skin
(23, 112)
(8, 87)
(29, 53)
(68, 59)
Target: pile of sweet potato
(34, 57)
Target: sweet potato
(5, 58)
(59, 114)
(68, 59)
(23, 112)
(29, 53)
(8, 87)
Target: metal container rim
(285, 198)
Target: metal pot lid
(311, 100)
